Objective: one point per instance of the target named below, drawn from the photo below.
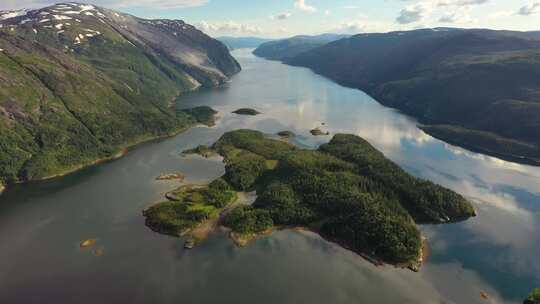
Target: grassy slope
(477, 80)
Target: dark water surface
(42, 224)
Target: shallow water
(41, 224)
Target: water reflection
(42, 224)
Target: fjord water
(41, 224)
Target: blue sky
(281, 18)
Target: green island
(319, 132)
(286, 134)
(346, 190)
(247, 111)
(533, 298)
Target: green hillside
(483, 83)
(79, 83)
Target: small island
(247, 111)
(347, 191)
(533, 298)
(286, 134)
(319, 132)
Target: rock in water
(170, 176)
(318, 132)
(87, 243)
(189, 244)
(247, 111)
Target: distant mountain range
(234, 43)
(79, 83)
(476, 88)
(285, 49)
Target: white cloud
(414, 13)
(362, 26)
(530, 9)
(453, 11)
(282, 16)
(301, 4)
(228, 28)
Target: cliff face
(80, 82)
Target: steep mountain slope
(288, 48)
(234, 43)
(476, 88)
(79, 83)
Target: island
(346, 190)
(247, 111)
(319, 132)
(534, 297)
(286, 134)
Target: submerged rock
(170, 176)
(87, 243)
(189, 244)
(98, 252)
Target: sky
(284, 18)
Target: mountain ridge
(101, 81)
(287, 48)
(476, 88)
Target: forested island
(346, 190)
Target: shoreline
(522, 160)
(242, 241)
(123, 151)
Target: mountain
(80, 83)
(476, 88)
(288, 48)
(234, 43)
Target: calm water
(42, 224)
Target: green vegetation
(248, 220)
(486, 142)
(247, 111)
(202, 150)
(534, 297)
(475, 88)
(347, 189)
(204, 115)
(188, 206)
(90, 100)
